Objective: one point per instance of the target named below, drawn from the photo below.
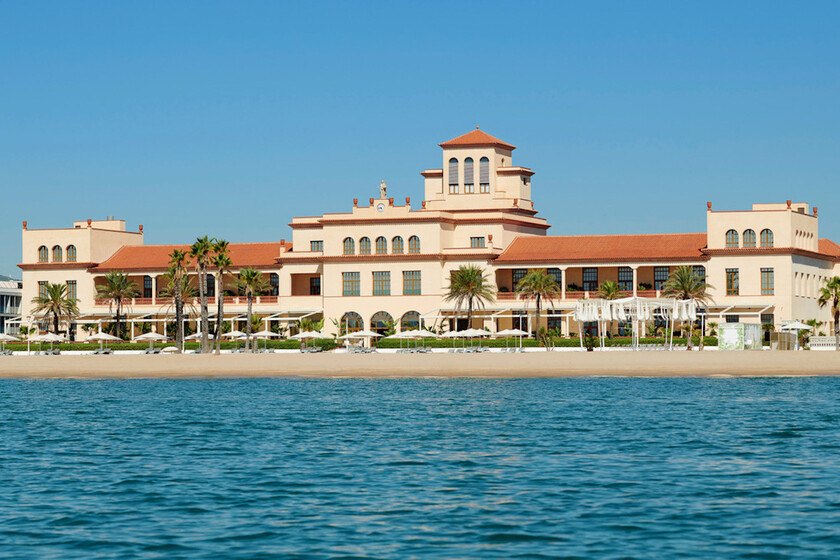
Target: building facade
(385, 262)
(11, 291)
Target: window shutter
(468, 171)
(453, 171)
(484, 170)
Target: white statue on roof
(383, 190)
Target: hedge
(324, 343)
(532, 343)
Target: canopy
(197, 336)
(422, 333)
(361, 334)
(307, 334)
(151, 336)
(474, 333)
(7, 338)
(103, 337)
(265, 334)
(797, 326)
(454, 334)
(511, 332)
(48, 337)
(234, 334)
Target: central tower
(477, 173)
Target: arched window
(71, 253)
(351, 322)
(453, 176)
(349, 246)
(731, 239)
(413, 244)
(211, 286)
(147, 286)
(381, 322)
(749, 238)
(397, 245)
(766, 238)
(469, 184)
(274, 282)
(364, 246)
(410, 321)
(484, 175)
(381, 245)
(43, 254)
(57, 252)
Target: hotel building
(387, 261)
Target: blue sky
(227, 119)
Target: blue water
(285, 468)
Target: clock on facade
(380, 207)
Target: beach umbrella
(453, 335)
(797, 326)
(265, 334)
(152, 337)
(305, 335)
(170, 350)
(511, 332)
(101, 337)
(4, 338)
(364, 334)
(197, 336)
(235, 336)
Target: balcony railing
(581, 294)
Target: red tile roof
(829, 247)
(603, 248)
(476, 138)
(156, 257)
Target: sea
(420, 468)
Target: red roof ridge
(476, 138)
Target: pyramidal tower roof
(476, 138)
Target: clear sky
(229, 118)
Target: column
(635, 281)
(563, 283)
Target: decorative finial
(709, 206)
(815, 212)
(24, 222)
(788, 204)
(141, 228)
(89, 221)
(476, 127)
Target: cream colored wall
(790, 228)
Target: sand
(491, 365)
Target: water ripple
(431, 468)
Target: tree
(469, 285)
(222, 263)
(252, 283)
(830, 295)
(177, 273)
(201, 251)
(54, 302)
(684, 284)
(538, 285)
(116, 289)
(609, 290)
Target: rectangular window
(350, 283)
(469, 188)
(382, 283)
(484, 188)
(732, 284)
(411, 283)
(315, 286)
(453, 189)
(477, 242)
(518, 274)
(767, 286)
(590, 279)
(42, 289)
(660, 276)
(71, 289)
(556, 274)
(316, 246)
(625, 278)
(147, 286)
(767, 319)
(733, 318)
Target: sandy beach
(538, 364)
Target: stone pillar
(635, 281)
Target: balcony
(574, 295)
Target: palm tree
(177, 273)
(252, 282)
(469, 285)
(54, 301)
(830, 294)
(684, 284)
(116, 289)
(610, 290)
(222, 263)
(202, 251)
(538, 285)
